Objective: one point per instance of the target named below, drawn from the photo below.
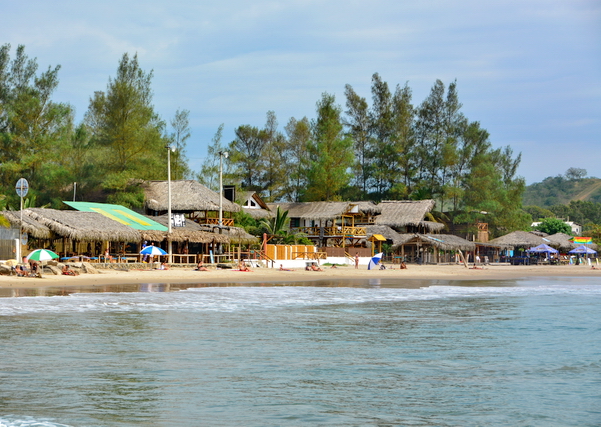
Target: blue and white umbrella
(374, 261)
(153, 250)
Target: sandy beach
(178, 275)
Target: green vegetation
(553, 226)
(562, 189)
(388, 148)
(120, 141)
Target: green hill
(560, 190)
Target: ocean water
(356, 353)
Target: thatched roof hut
(403, 213)
(238, 235)
(82, 226)
(32, 227)
(445, 242)
(186, 196)
(192, 232)
(519, 239)
(323, 211)
(562, 242)
(385, 231)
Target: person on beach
(314, 267)
(356, 260)
(243, 267)
(163, 266)
(201, 267)
(68, 272)
(144, 246)
(284, 269)
(21, 271)
(403, 265)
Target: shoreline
(269, 275)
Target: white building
(576, 228)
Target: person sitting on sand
(333, 266)
(163, 266)
(21, 270)
(201, 267)
(284, 269)
(243, 267)
(67, 271)
(315, 268)
(403, 265)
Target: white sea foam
(236, 298)
(23, 421)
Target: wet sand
(177, 275)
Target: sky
(528, 70)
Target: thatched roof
(322, 211)
(82, 226)
(238, 235)
(192, 232)
(385, 231)
(258, 213)
(186, 196)
(32, 227)
(563, 242)
(521, 239)
(401, 213)
(445, 242)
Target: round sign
(22, 187)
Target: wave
(237, 298)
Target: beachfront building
(574, 227)
(190, 200)
(73, 233)
(253, 205)
(334, 227)
(104, 232)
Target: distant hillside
(561, 191)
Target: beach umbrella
(583, 250)
(152, 250)
(374, 261)
(41, 255)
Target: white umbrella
(152, 250)
(374, 261)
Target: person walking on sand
(356, 260)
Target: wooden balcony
(332, 231)
(228, 222)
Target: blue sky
(529, 71)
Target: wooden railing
(228, 222)
(309, 255)
(332, 231)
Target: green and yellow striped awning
(120, 214)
